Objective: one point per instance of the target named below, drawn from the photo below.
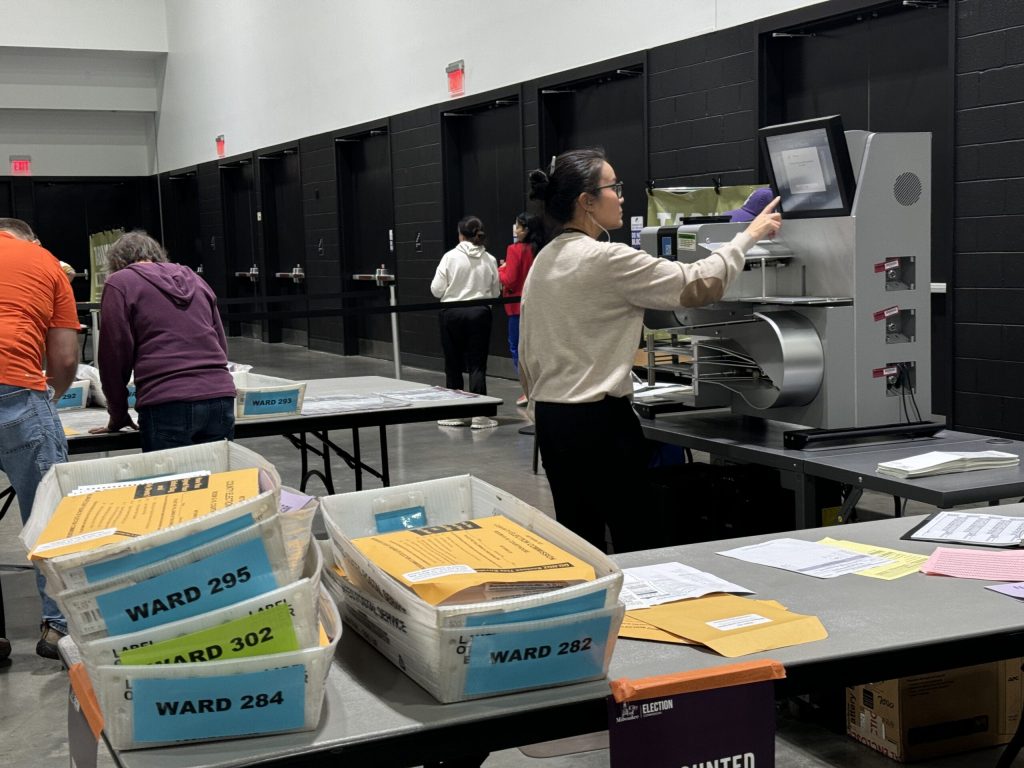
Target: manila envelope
(635, 628)
(735, 626)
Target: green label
(686, 241)
(261, 633)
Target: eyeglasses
(617, 187)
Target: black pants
(465, 339)
(596, 457)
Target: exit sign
(21, 165)
(456, 72)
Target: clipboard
(909, 535)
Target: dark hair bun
(538, 185)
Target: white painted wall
(102, 25)
(263, 72)
(78, 143)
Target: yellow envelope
(637, 629)
(473, 561)
(903, 563)
(735, 626)
(69, 432)
(93, 520)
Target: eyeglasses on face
(616, 187)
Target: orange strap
(741, 673)
(82, 686)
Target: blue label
(115, 567)
(131, 395)
(512, 661)
(187, 708)
(72, 398)
(590, 602)
(401, 519)
(271, 402)
(225, 578)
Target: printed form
(806, 557)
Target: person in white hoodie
(465, 273)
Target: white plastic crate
(450, 500)
(471, 651)
(463, 663)
(76, 396)
(300, 597)
(244, 564)
(80, 568)
(260, 397)
(148, 706)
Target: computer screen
(809, 167)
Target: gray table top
(83, 420)
(760, 441)
(877, 629)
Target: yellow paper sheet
(735, 626)
(637, 629)
(93, 520)
(903, 563)
(69, 432)
(258, 634)
(474, 560)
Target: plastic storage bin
(471, 651)
(260, 397)
(148, 706)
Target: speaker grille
(907, 188)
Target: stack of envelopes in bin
(537, 607)
(191, 591)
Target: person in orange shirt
(38, 320)
(528, 232)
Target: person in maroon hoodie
(529, 239)
(160, 320)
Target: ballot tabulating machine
(828, 326)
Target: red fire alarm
(220, 145)
(456, 78)
(21, 165)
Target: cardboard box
(925, 716)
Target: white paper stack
(945, 462)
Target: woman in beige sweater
(582, 313)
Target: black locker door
(239, 211)
(180, 197)
(367, 218)
(6, 200)
(883, 72)
(283, 238)
(606, 112)
(484, 178)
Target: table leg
(358, 459)
(849, 511)
(385, 472)
(805, 498)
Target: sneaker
(5, 648)
(482, 422)
(47, 645)
(522, 401)
(453, 423)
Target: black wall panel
(281, 226)
(179, 196)
(988, 251)
(211, 228)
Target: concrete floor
(33, 691)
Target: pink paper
(976, 564)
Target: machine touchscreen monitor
(809, 167)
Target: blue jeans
(513, 340)
(31, 441)
(173, 425)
